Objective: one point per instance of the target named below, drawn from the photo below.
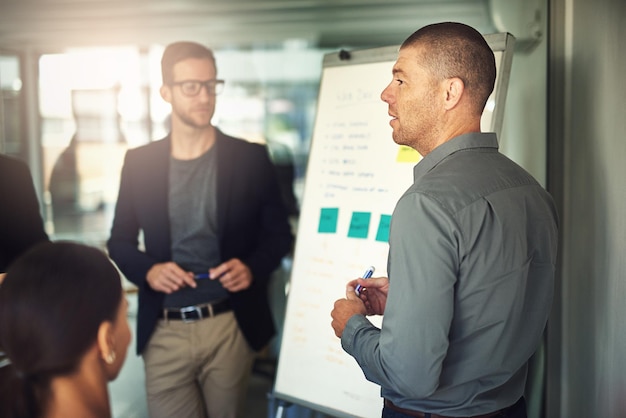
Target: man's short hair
(179, 51)
(458, 50)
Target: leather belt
(196, 312)
(419, 414)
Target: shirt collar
(461, 142)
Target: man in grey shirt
(472, 248)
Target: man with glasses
(214, 228)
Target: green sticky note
(359, 225)
(383, 228)
(328, 220)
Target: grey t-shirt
(193, 226)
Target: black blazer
(21, 225)
(252, 219)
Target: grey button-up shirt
(472, 254)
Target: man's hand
(233, 274)
(169, 277)
(344, 309)
(373, 294)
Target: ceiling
(44, 25)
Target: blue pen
(368, 273)
(199, 276)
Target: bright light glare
(90, 69)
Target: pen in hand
(368, 273)
(199, 276)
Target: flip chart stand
(282, 404)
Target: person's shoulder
(11, 166)
(240, 146)
(11, 162)
(150, 148)
(469, 175)
(237, 142)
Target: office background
(80, 83)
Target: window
(97, 103)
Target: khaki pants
(197, 369)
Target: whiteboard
(355, 176)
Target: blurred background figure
(64, 332)
(21, 224)
(78, 182)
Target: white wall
(587, 368)
(593, 309)
(523, 136)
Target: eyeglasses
(192, 87)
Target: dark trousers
(518, 410)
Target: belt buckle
(188, 309)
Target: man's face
(192, 111)
(414, 102)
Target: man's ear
(166, 93)
(105, 341)
(454, 88)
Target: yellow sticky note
(407, 155)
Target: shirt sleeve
(405, 356)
